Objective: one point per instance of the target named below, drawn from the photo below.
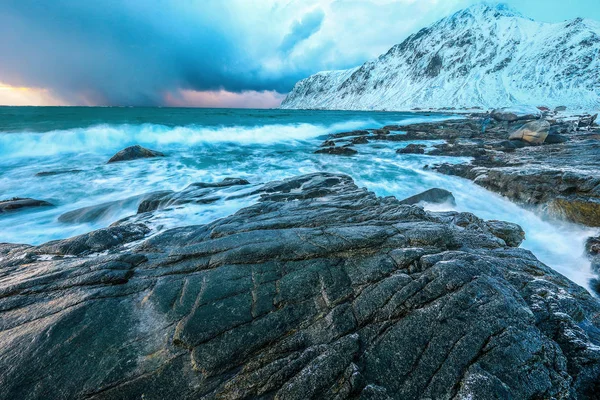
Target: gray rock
(338, 151)
(434, 196)
(134, 153)
(560, 109)
(337, 294)
(19, 203)
(96, 241)
(412, 149)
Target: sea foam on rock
(321, 289)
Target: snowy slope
(483, 56)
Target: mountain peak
(488, 55)
(485, 8)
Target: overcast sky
(231, 53)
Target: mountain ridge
(487, 55)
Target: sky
(206, 53)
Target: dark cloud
(131, 52)
(302, 30)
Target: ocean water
(207, 145)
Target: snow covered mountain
(483, 56)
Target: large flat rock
(320, 290)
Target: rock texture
(488, 55)
(559, 175)
(134, 153)
(320, 290)
(18, 203)
(435, 195)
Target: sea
(207, 145)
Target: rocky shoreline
(320, 289)
(555, 168)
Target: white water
(258, 154)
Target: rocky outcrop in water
(559, 175)
(19, 203)
(134, 153)
(321, 289)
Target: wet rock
(328, 143)
(109, 210)
(197, 193)
(457, 150)
(512, 114)
(412, 149)
(555, 139)
(58, 172)
(134, 153)
(592, 247)
(511, 233)
(341, 295)
(349, 134)
(359, 140)
(19, 203)
(534, 132)
(338, 151)
(96, 241)
(433, 196)
(584, 210)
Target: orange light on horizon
(27, 96)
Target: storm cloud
(302, 30)
(113, 52)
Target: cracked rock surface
(320, 290)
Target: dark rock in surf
(359, 140)
(106, 211)
(433, 196)
(58, 172)
(339, 294)
(198, 193)
(19, 203)
(412, 149)
(338, 151)
(592, 247)
(134, 153)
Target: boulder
(534, 132)
(412, 149)
(338, 151)
(433, 196)
(511, 233)
(133, 153)
(19, 203)
(338, 295)
(516, 113)
(587, 121)
(560, 109)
